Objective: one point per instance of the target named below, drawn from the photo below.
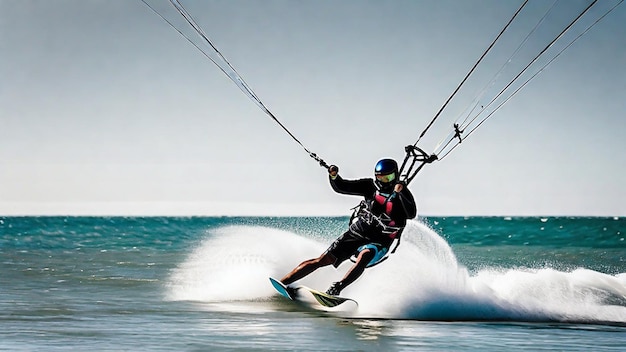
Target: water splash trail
(421, 281)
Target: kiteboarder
(379, 219)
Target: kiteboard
(282, 289)
(322, 298)
(327, 300)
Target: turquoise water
(162, 283)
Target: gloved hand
(332, 171)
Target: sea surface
(201, 284)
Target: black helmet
(386, 172)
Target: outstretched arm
(351, 187)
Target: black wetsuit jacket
(398, 207)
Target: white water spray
(422, 280)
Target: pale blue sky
(104, 109)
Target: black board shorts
(348, 243)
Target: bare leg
(307, 267)
(357, 269)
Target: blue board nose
(282, 289)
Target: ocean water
(201, 284)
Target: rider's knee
(366, 254)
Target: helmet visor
(386, 178)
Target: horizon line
(227, 209)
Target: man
(380, 219)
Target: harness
(383, 222)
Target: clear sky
(104, 109)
